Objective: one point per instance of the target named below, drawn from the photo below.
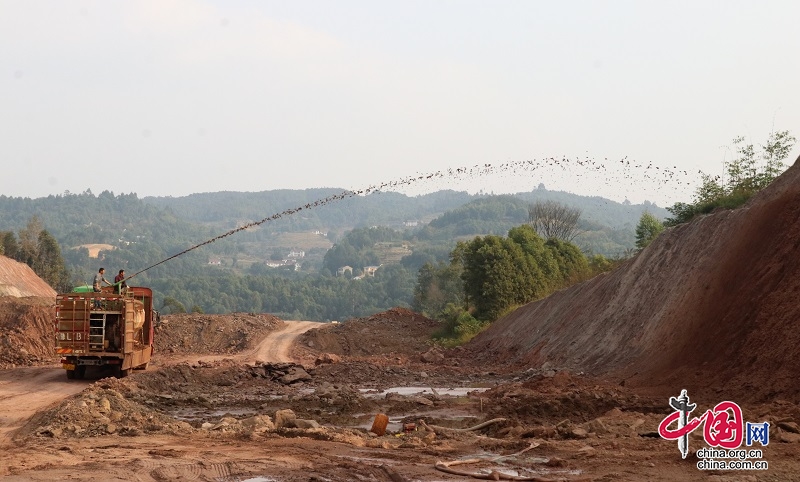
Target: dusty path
(275, 347)
(26, 391)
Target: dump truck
(106, 329)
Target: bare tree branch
(554, 220)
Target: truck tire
(80, 372)
(120, 373)
(71, 374)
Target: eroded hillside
(711, 305)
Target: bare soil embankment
(18, 280)
(26, 331)
(399, 331)
(710, 306)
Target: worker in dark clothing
(119, 282)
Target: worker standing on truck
(119, 282)
(99, 279)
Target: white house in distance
(367, 271)
(296, 254)
(370, 270)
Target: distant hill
(226, 209)
(126, 232)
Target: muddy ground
(216, 405)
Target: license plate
(68, 366)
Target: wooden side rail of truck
(105, 329)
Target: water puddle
(409, 391)
(437, 417)
(514, 465)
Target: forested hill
(290, 255)
(226, 209)
(383, 208)
(154, 227)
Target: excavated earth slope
(26, 310)
(18, 280)
(710, 306)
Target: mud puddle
(411, 391)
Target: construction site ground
(211, 407)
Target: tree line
(141, 234)
(37, 248)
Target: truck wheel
(70, 374)
(80, 372)
(120, 373)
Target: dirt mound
(18, 280)
(194, 333)
(709, 306)
(26, 331)
(398, 331)
(107, 407)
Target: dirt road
(26, 391)
(275, 347)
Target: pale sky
(176, 97)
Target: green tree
(171, 305)
(29, 240)
(458, 326)
(438, 285)
(10, 245)
(48, 263)
(600, 264)
(500, 273)
(538, 256)
(492, 275)
(748, 172)
(572, 263)
(647, 230)
(778, 147)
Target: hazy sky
(177, 97)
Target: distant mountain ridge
(144, 232)
(381, 207)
